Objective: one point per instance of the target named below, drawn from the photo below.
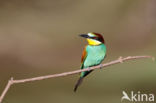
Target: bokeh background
(40, 37)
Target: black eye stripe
(93, 37)
(96, 38)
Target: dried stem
(119, 60)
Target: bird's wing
(84, 55)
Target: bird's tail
(78, 83)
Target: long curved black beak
(84, 35)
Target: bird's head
(93, 38)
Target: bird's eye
(94, 37)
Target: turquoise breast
(95, 55)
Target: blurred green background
(40, 37)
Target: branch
(119, 60)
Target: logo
(137, 97)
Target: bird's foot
(100, 66)
(88, 69)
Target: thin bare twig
(119, 60)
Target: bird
(93, 54)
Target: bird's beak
(84, 35)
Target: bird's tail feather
(78, 83)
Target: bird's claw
(100, 66)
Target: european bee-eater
(93, 54)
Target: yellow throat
(93, 42)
